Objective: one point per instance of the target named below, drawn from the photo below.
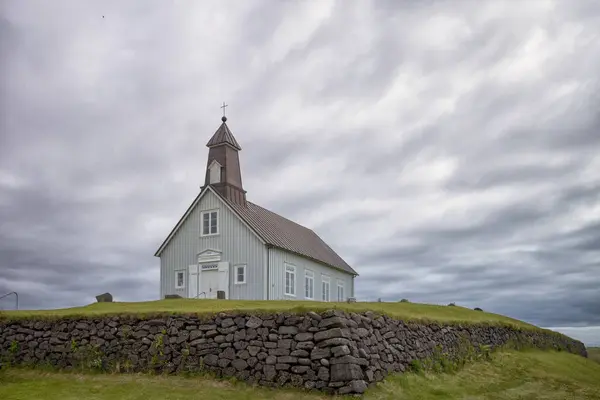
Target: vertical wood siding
(277, 260)
(238, 244)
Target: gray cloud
(446, 157)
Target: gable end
(189, 211)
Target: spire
(223, 136)
(223, 172)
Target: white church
(226, 246)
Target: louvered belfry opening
(223, 171)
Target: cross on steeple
(223, 107)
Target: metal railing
(16, 297)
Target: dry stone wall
(334, 351)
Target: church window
(325, 286)
(179, 280)
(215, 172)
(290, 280)
(210, 224)
(240, 274)
(340, 290)
(309, 285)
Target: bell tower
(223, 172)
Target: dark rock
(358, 386)
(288, 330)
(300, 369)
(303, 337)
(340, 351)
(279, 352)
(211, 360)
(304, 346)
(332, 333)
(253, 350)
(287, 360)
(346, 372)
(223, 362)
(271, 360)
(334, 342)
(300, 353)
(239, 364)
(104, 298)
(323, 374)
(207, 327)
(228, 353)
(254, 322)
(227, 322)
(318, 353)
(333, 322)
(348, 360)
(314, 315)
(270, 372)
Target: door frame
(222, 278)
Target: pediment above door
(209, 255)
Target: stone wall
(333, 351)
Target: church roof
(276, 231)
(223, 135)
(283, 233)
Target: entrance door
(193, 280)
(210, 283)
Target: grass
(594, 353)
(408, 311)
(509, 375)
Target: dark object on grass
(404, 301)
(451, 305)
(351, 299)
(221, 294)
(173, 296)
(104, 298)
(478, 309)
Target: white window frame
(325, 280)
(340, 285)
(291, 270)
(209, 212)
(309, 280)
(177, 286)
(236, 267)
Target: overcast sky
(448, 150)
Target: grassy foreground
(594, 353)
(509, 375)
(411, 311)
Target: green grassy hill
(594, 353)
(509, 375)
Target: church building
(227, 246)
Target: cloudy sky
(449, 150)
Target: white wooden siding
(277, 260)
(238, 244)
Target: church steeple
(223, 172)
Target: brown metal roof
(288, 235)
(223, 135)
